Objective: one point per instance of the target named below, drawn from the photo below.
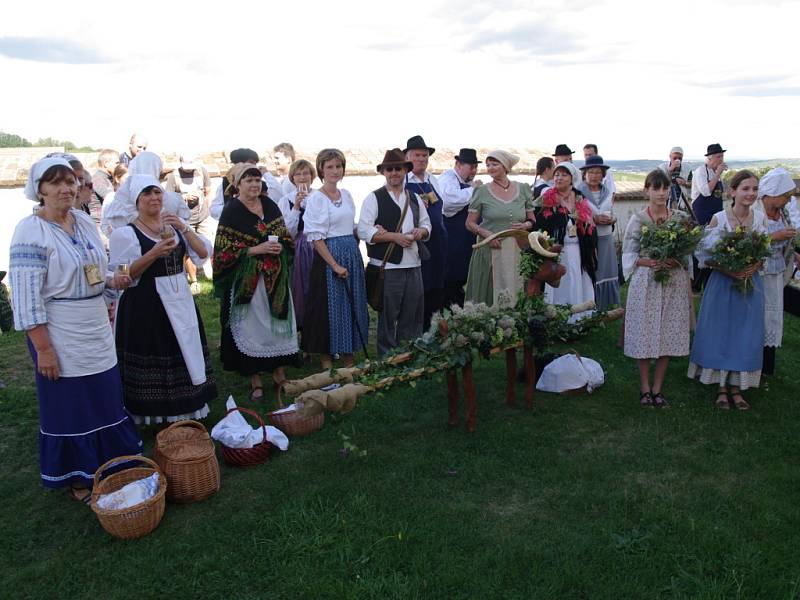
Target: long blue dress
(727, 347)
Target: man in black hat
(707, 190)
(563, 154)
(425, 185)
(456, 185)
(707, 187)
(395, 246)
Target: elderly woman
(336, 319)
(568, 218)
(601, 200)
(58, 273)
(775, 190)
(252, 253)
(161, 343)
(499, 205)
(293, 206)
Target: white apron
(178, 303)
(81, 336)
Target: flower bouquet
(675, 238)
(739, 250)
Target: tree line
(12, 140)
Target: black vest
(388, 218)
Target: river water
(16, 206)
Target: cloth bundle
(571, 372)
(131, 494)
(234, 432)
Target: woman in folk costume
(727, 349)
(336, 320)
(161, 343)
(252, 256)
(567, 216)
(293, 206)
(601, 200)
(775, 190)
(58, 273)
(501, 204)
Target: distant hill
(645, 166)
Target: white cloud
(634, 77)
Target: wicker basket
(291, 423)
(185, 452)
(134, 521)
(246, 457)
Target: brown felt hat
(394, 157)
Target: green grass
(584, 497)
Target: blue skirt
(82, 424)
(730, 327)
(348, 323)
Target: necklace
(657, 221)
(739, 221)
(146, 226)
(254, 206)
(335, 200)
(501, 186)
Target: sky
(634, 77)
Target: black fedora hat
(594, 161)
(714, 149)
(417, 143)
(394, 157)
(563, 150)
(467, 156)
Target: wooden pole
(530, 376)
(469, 396)
(511, 376)
(452, 398)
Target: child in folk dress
(657, 315)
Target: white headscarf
(123, 209)
(573, 170)
(775, 183)
(149, 163)
(506, 159)
(146, 163)
(37, 170)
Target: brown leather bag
(374, 275)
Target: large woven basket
(185, 452)
(291, 423)
(246, 457)
(135, 521)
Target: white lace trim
(153, 420)
(741, 379)
(251, 326)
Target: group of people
(291, 282)
(736, 331)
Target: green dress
(495, 215)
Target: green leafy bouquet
(739, 250)
(675, 238)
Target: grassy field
(583, 497)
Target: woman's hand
(601, 219)
(671, 263)
(650, 263)
(120, 281)
(47, 363)
(302, 194)
(266, 248)
(164, 247)
(784, 234)
(174, 221)
(524, 225)
(339, 271)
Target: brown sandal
(722, 400)
(81, 494)
(741, 403)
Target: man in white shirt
(608, 180)
(425, 185)
(707, 185)
(456, 186)
(393, 222)
(283, 156)
(678, 174)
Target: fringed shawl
(240, 229)
(554, 219)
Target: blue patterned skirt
(82, 424)
(332, 324)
